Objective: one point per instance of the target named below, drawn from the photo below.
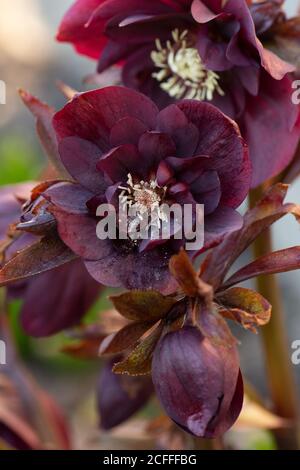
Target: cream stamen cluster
(145, 198)
(182, 73)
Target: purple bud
(198, 382)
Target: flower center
(144, 199)
(182, 73)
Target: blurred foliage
(18, 160)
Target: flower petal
(93, 114)
(80, 157)
(220, 138)
(196, 381)
(271, 127)
(174, 122)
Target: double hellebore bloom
(210, 50)
(116, 145)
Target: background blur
(31, 59)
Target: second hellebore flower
(115, 143)
(210, 50)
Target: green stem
(274, 338)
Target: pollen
(181, 72)
(145, 197)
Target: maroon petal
(207, 190)
(164, 173)
(113, 52)
(87, 40)
(119, 396)
(72, 293)
(218, 225)
(154, 147)
(69, 197)
(127, 131)
(126, 267)
(174, 122)
(220, 138)
(271, 127)
(188, 169)
(196, 381)
(80, 157)
(92, 115)
(79, 232)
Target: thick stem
(278, 362)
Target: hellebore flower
(209, 50)
(55, 300)
(183, 340)
(116, 145)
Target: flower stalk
(275, 343)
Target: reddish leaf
(245, 306)
(145, 306)
(44, 255)
(123, 339)
(139, 361)
(183, 271)
(267, 211)
(273, 263)
(44, 115)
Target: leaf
(145, 306)
(245, 306)
(85, 349)
(183, 271)
(267, 211)
(123, 339)
(139, 361)
(277, 262)
(44, 255)
(44, 115)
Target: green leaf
(245, 306)
(123, 339)
(139, 361)
(144, 306)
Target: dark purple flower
(116, 144)
(120, 397)
(198, 382)
(55, 300)
(210, 50)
